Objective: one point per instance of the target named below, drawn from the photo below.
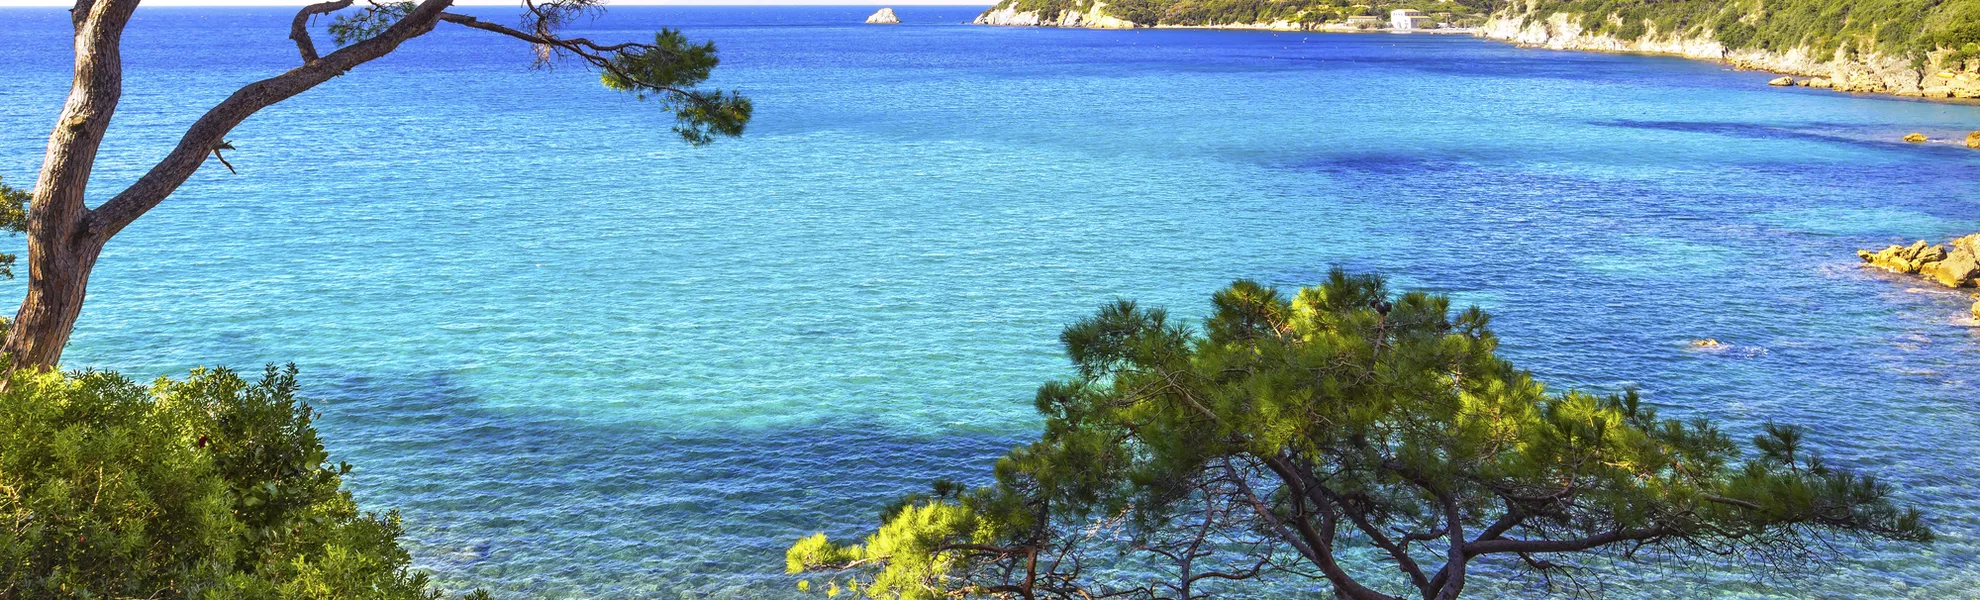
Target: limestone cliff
(1870, 73)
(1094, 17)
(884, 16)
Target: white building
(1403, 18)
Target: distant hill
(1289, 14)
(1910, 28)
(1906, 47)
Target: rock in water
(1782, 81)
(1973, 140)
(884, 17)
(1956, 267)
(1916, 138)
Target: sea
(583, 359)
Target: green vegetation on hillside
(1219, 12)
(1910, 28)
(209, 487)
(1372, 440)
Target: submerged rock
(1916, 138)
(1707, 343)
(884, 16)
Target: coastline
(1860, 73)
(1864, 73)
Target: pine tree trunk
(57, 281)
(61, 247)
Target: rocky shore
(1864, 73)
(1096, 17)
(1955, 264)
(1841, 71)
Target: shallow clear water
(588, 361)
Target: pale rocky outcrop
(1094, 17)
(1916, 138)
(884, 16)
(1863, 72)
(1006, 14)
(1958, 267)
(1973, 140)
(1954, 267)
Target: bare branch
(1503, 545)
(223, 160)
(299, 28)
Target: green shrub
(208, 487)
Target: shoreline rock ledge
(884, 16)
(1958, 267)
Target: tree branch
(1518, 545)
(592, 52)
(212, 127)
(1321, 495)
(299, 28)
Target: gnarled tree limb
(299, 28)
(212, 127)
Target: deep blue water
(588, 361)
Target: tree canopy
(207, 487)
(1290, 432)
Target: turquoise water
(588, 361)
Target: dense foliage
(1910, 28)
(208, 487)
(13, 220)
(1372, 441)
(1218, 12)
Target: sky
(66, 3)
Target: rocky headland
(1860, 66)
(1098, 14)
(1955, 264)
(1842, 70)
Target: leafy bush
(207, 487)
